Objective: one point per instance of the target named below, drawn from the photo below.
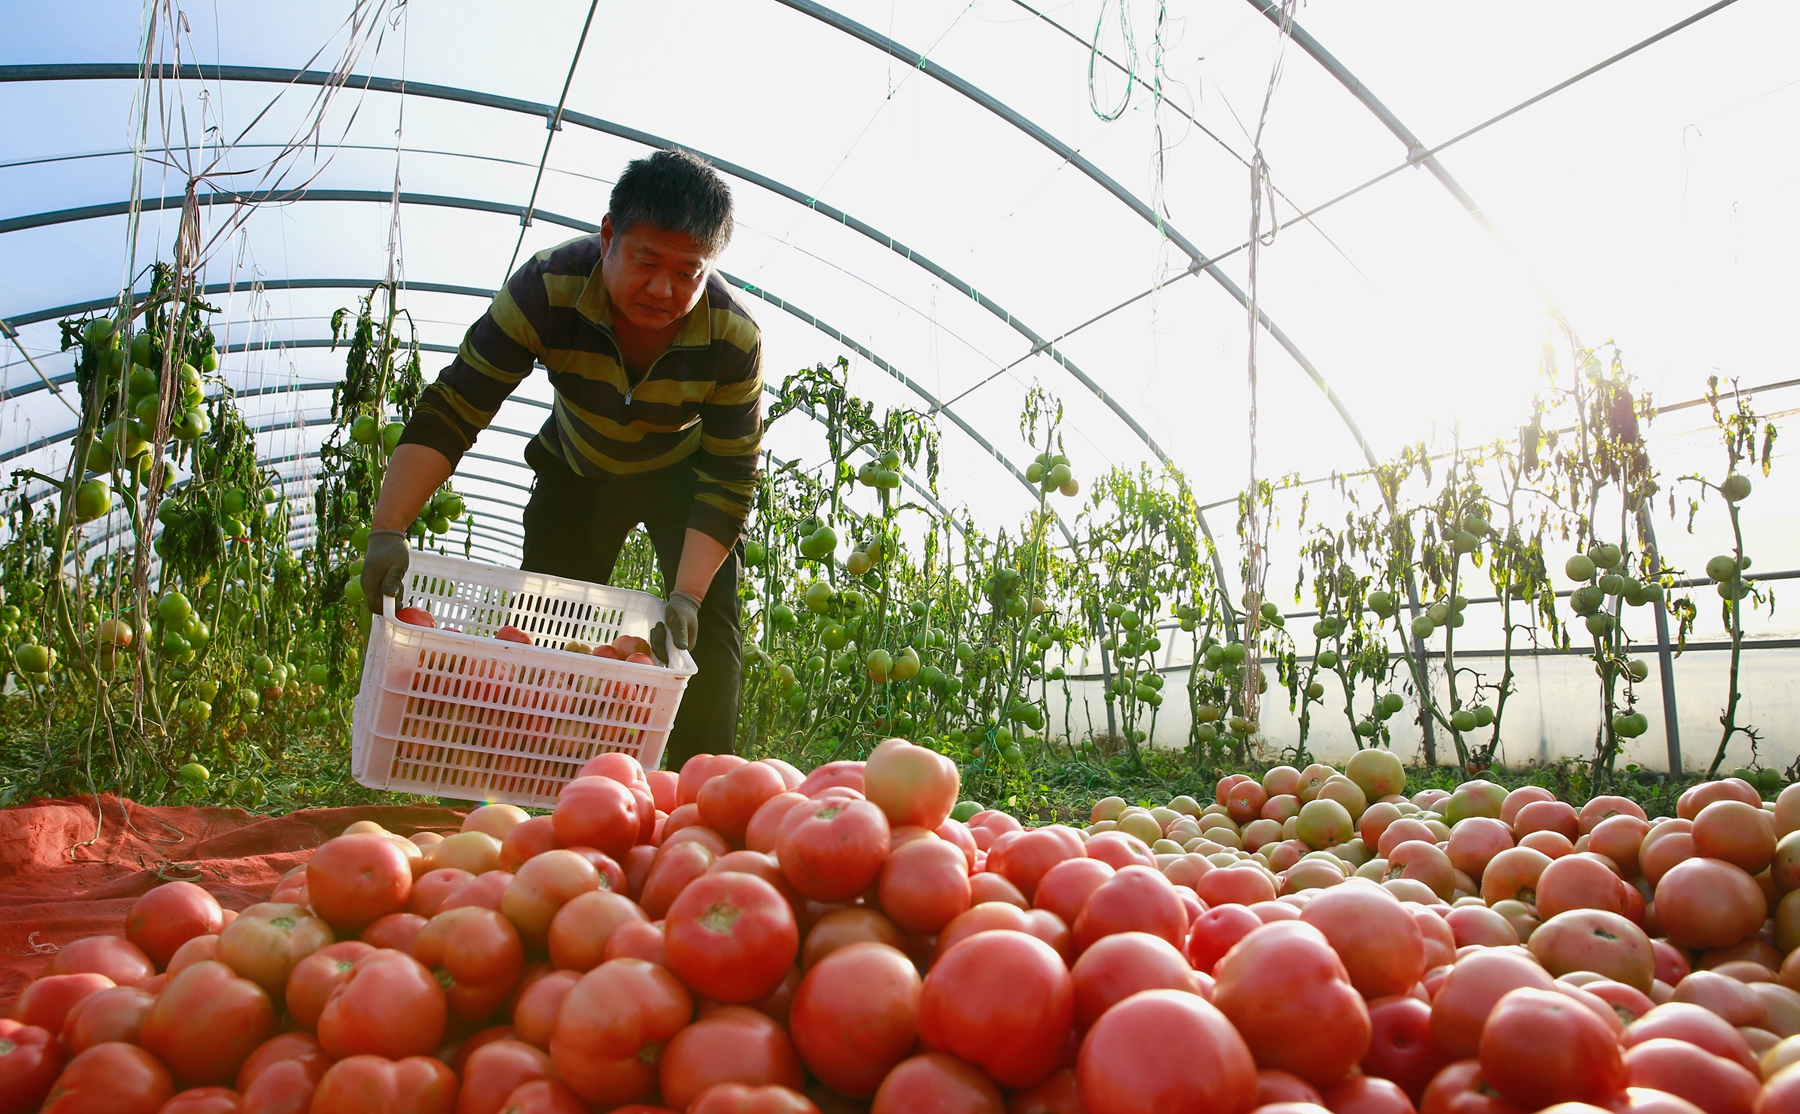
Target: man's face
(653, 277)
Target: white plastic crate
(456, 712)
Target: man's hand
(384, 567)
(681, 614)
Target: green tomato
(1579, 568)
(364, 430)
(390, 436)
(142, 383)
(194, 424)
(173, 609)
(194, 773)
(234, 501)
(93, 498)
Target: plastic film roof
(930, 189)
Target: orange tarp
(58, 883)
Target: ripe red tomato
(1003, 1001)
(996, 915)
(417, 616)
(833, 849)
(676, 867)
(396, 931)
(597, 812)
(1059, 1094)
(1120, 965)
(1289, 995)
(315, 977)
(937, 1084)
(192, 952)
(1362, 1094)
(731, 937)
(203, 1100)
(389, 1005)
(496, 1070)
(612, 1028)
(986, 886)
(365, 1084)
(284, 1087)
(638, 940)
(1578, 882)
(1400, 1044)
(1539, 1048)
(1274, 1086)
(846, 774)
(1708, 903)
(169, 916)
(1461, 1088)
(297, 1048)
(1713, 1083)
(113, 956)
(553, 1096)
(1374, 935)
(114, 1014)
(487, 891)
(266, 941)
(46, 1002)
(727, 804)
(1135, 899)
(29, 1063)
(1119, 850)
(1468, 995)
(1236, 885)
(621, 767)
(533, 837)
(543, 886)
(1066, 887)
(1026, 859)
(206, 1022)
(1215, 933)
(911, 784)
(431, 889)
(732, 1044)
(741, 1098)
(696, 771)
(925, 885)
(111, 1078)
(475, 955)
(1128, 1062)
(841, 928)
(355, 880)
(534, 1011)
(760, 833)
(1696, 1026)
(581, 928)
(855, 1016)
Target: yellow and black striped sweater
(701, 398)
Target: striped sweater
(701, 398)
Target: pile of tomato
(743, 938)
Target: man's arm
(414, 472)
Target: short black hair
(676, 191)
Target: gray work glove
(682, 616)
(384, 567)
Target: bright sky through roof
(1652, 201)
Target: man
(657, 420)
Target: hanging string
(1130, 53)
(1255, 559)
